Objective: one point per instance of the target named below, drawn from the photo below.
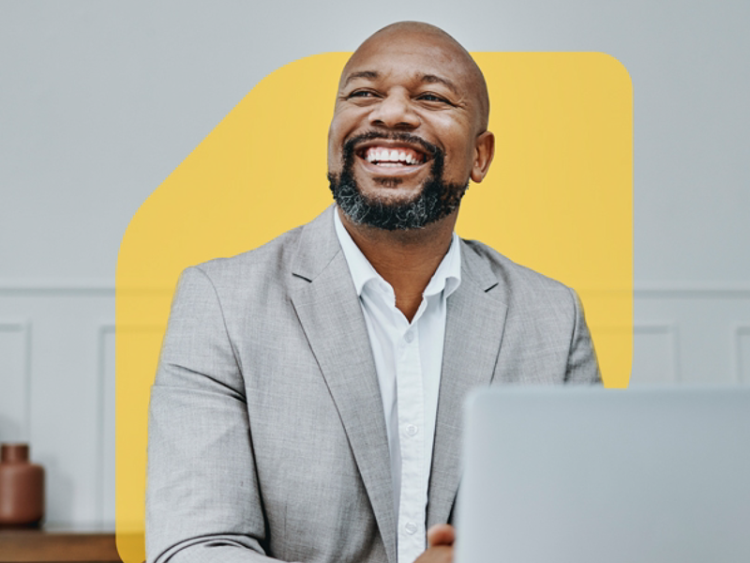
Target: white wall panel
(107, 424)
(705, 318)
(63, 382)
(15, 352)
(655, 354)
(742, 350)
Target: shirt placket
(413, 496)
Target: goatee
(436, 199)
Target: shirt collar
(447, 276)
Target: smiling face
(408, 129)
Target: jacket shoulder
(515, 277)
(269, 262)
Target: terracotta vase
(21, 487)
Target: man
(308, 400)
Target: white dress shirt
(408, 358)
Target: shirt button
(411, 430)
(411, 528)
(409, 337)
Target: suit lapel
(328, 308)
(473, 333)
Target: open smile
(392, 159)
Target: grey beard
(436, 200)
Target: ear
(484, 150)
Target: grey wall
(100, 101)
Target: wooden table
(30, 545)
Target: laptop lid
(590, 475)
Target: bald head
(444, 45)
(410, 123)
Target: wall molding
(24, 327)
(72, 287)
(698, 291)
(740, 331)
(104, 330)
(640, 290)
(669, 329)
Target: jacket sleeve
(583, 366)
(203, 502)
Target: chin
(393, 202)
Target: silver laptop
(582, 475)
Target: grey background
(100, 101)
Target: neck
(407, 260)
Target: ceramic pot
(21, 487)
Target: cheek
(458, 144)
(335, 147)
(459, 161)
(344, 122)
(334, 159)
(340, 130)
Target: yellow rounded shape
(558, 199)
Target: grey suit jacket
(266, 430)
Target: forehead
(409, 56)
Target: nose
(395, 111)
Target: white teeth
(390, 157)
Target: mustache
(351, 145)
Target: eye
(430, 97)
(361, 94)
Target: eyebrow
(426, 79)
(432, 79)
(371, 74)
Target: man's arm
(582, 363)
(203, 502)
